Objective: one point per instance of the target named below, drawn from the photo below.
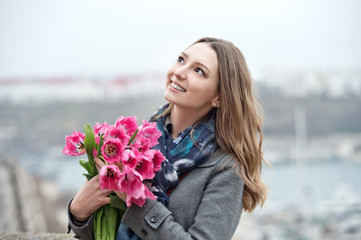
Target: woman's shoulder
(221, 158)
(224, 163)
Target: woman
(211, 137)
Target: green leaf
(86, 165)
(89, 144)
(89, 141)
(133, 137)
(88, 176)
(100, 145)
(118, 203)
(101, 157)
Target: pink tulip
(157, 158)
(112, 150)
(128, 123)
(131, 182)
(109, 176)
(148, 135)
(145, 168)
(101, 131)
(140, 200)
(118, 133)
(74, 144)
(130, 157)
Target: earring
(215, 104)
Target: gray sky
(114, 37)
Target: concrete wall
(36, 236)
(20, 204)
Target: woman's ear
(216, 103)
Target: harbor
(313, 176)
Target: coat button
(153, 219)
(144, 232)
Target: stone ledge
(36, 236)
(20, 202)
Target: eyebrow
(186, 55)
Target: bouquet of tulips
(123, 144)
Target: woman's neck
(182, 118)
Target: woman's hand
(89, 198)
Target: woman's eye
(180, 59)
(199, 71)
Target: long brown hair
(238, 120)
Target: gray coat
(207, 204)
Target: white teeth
(176, 86)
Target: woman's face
(192, 82)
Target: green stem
(98, 223)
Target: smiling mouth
(176, 86)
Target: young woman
(211, 137)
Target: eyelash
(199, 69)
(181, 60)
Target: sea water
(289, 184)
(312, 183)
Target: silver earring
(215, 104)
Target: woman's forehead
(202, 53)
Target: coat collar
(217, 156)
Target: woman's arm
(81, 230)
(88, 199)
(217, 216)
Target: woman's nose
(180, 73)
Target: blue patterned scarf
(190, 149)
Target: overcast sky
(114, 37)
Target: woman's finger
(98, 163)
(107, 192)
(119, 165)
(121, 195)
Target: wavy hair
(238, 120)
